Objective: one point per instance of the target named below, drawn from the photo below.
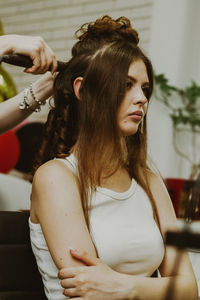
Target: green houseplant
(184, 110)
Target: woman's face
(134, 105)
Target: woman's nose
(139, 97)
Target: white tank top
(123, 230)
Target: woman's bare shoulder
(155, 181)
(52, 168)
(53, 172)
(162, 200)
(51, 179)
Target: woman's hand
(34, 47)
(94, 281)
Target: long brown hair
(91, 122)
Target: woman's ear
(77, 84)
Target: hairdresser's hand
(34, 47)
(94, 281)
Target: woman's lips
(136, 115)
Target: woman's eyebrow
(146, 83)
(132, 78)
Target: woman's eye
(129, 84)
(146, 91)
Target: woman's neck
(119, 181)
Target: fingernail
(73, 250)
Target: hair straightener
(25, 61)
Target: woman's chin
(130, 131)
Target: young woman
(99, 195)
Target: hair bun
(108, 28)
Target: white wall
(174, 50)
(17, 197)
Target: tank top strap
(71, 162)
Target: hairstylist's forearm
(5, 44)
(11, 115)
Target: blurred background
(169, 35)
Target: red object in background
(9, 151)
(174, 187)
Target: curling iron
(25, 61)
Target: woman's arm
(34, 47)
(42, 57)
(100, 282)
(56, 205)
(11, 115)
(97, 280)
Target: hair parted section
(102, 56)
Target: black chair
(19, 275)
